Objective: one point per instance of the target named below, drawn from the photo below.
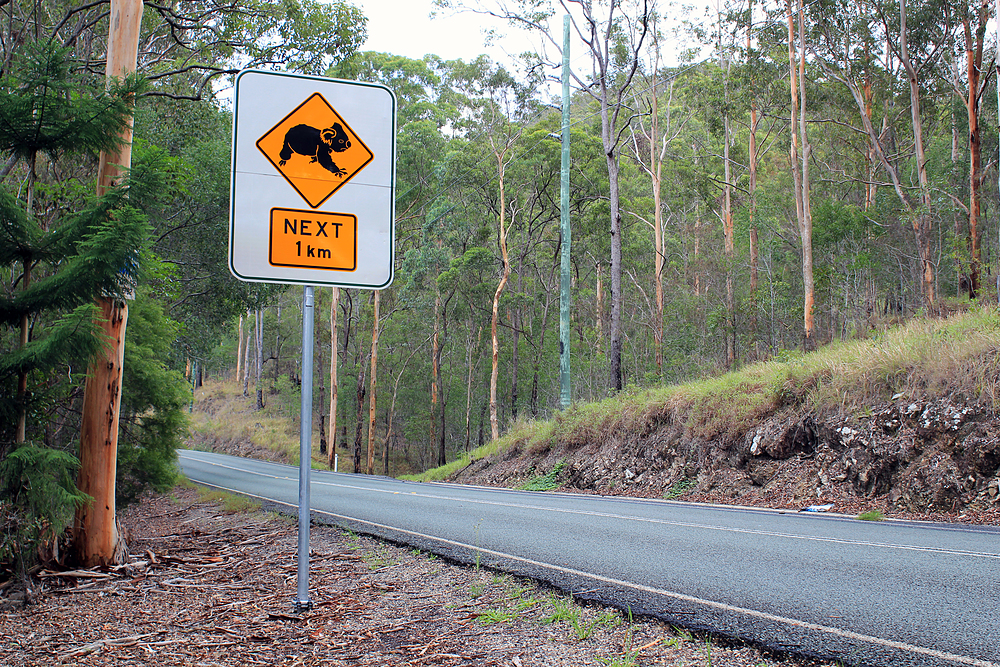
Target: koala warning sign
(315, 150)
(313, 181)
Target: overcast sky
(403, 27)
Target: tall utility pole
(565, 387)
(96, 538)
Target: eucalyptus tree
(973, 16)
(73, 248)
(800, 163)
(652, 155)
(613, 35)
(499, 106)
(915, 41)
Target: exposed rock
(921, 455)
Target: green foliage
(493, 616)
(42, 108)
(545, 482)
(302, 35)
(679, 488)
(65, 259)
(871, 515)
(152, 419)
(39, 496)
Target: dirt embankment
(933, 457)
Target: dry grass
(956, 356)
(224, 414)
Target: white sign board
(312, 193)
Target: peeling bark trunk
(974, 64)
(96, 538)
(800, 169)
(805, 231)
(504, 276)
(239, 348)
(372, 405)
(334, 384)
(246, 357)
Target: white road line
(625, 517)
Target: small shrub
(39, 493)
(679, 488)
(871, 515)
(545, 482)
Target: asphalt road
(864, 593)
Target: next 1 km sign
(313, 180)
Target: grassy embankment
(224, 418)
(956, 356)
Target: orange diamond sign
(315, 150)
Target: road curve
(864, 593)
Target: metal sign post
(312, 203)
(302, 602)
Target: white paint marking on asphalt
(624, 517)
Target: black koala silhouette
(317, 144)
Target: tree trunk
(322, 403)
(697, 252)
(441, 452)
(752, 187)
(334, 384)
(974, 64)
(600, 302)
(22, 376)
(360, 391)
(470, 349)
(805, 229)
(96, 538)
(504, 275)
(372, 403)
(277, 341)
(615, 344)
(435, 370)
(246, 357)
(259, 340)
(728, 234)
(239, 348)
(797, 116)
(922, 218)
(515, 320)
